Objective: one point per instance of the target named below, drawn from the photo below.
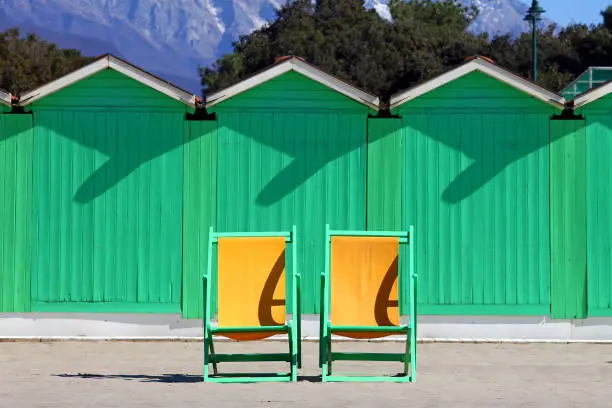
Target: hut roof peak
(109, 61)
(488, 67)
(288, 63)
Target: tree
(28, 62)
(437, 15)
(293, 32)
(355, 44)
(607, 17)
(339, 36)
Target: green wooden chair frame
(327, 356)
(292, 327)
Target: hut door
(568, 219)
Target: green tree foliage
(27, 61)
(425, 38)
(607, 17)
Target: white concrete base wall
(173, 327)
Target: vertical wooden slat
(199, 211)
(15, 212)
(599, 219)
(568, 217)
(385, 168)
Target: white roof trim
(118, 65)
(5, 98)
(297, 65)
(487, 68)
(592, 95)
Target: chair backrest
(251, 284)
(364, 283)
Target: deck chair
(359, 298)
(251, 270)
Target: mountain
(496, 17)
(172, 38)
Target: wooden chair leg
(212, 354)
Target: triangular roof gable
(5, 98)
(116, 64)
(301, 67)
(487, 68)
(591, 96)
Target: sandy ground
(112, 374)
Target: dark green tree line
(28, 61)
(425, 38)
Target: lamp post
(533, 16)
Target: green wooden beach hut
(474, 148)
(105, 223)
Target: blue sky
(568, 11)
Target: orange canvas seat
(251, 285)
(364, 276)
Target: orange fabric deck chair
(360, 299)
(252, 301)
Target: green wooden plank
(249, 378)
(377, 329)
(246, 376)
(283, 234)
(239, 358)
(599, 217)
(246, 329)
(105, 307)
(484, 310)
(602, 312)
(16, 144)
(340, 378)
(199, 211)
(402, 235)
(385, 165)
(392, 357)
(568, 218)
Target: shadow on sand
(162, 378)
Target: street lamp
(533, 16)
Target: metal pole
(533, 16)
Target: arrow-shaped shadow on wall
(490, 153)
(490, 157)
